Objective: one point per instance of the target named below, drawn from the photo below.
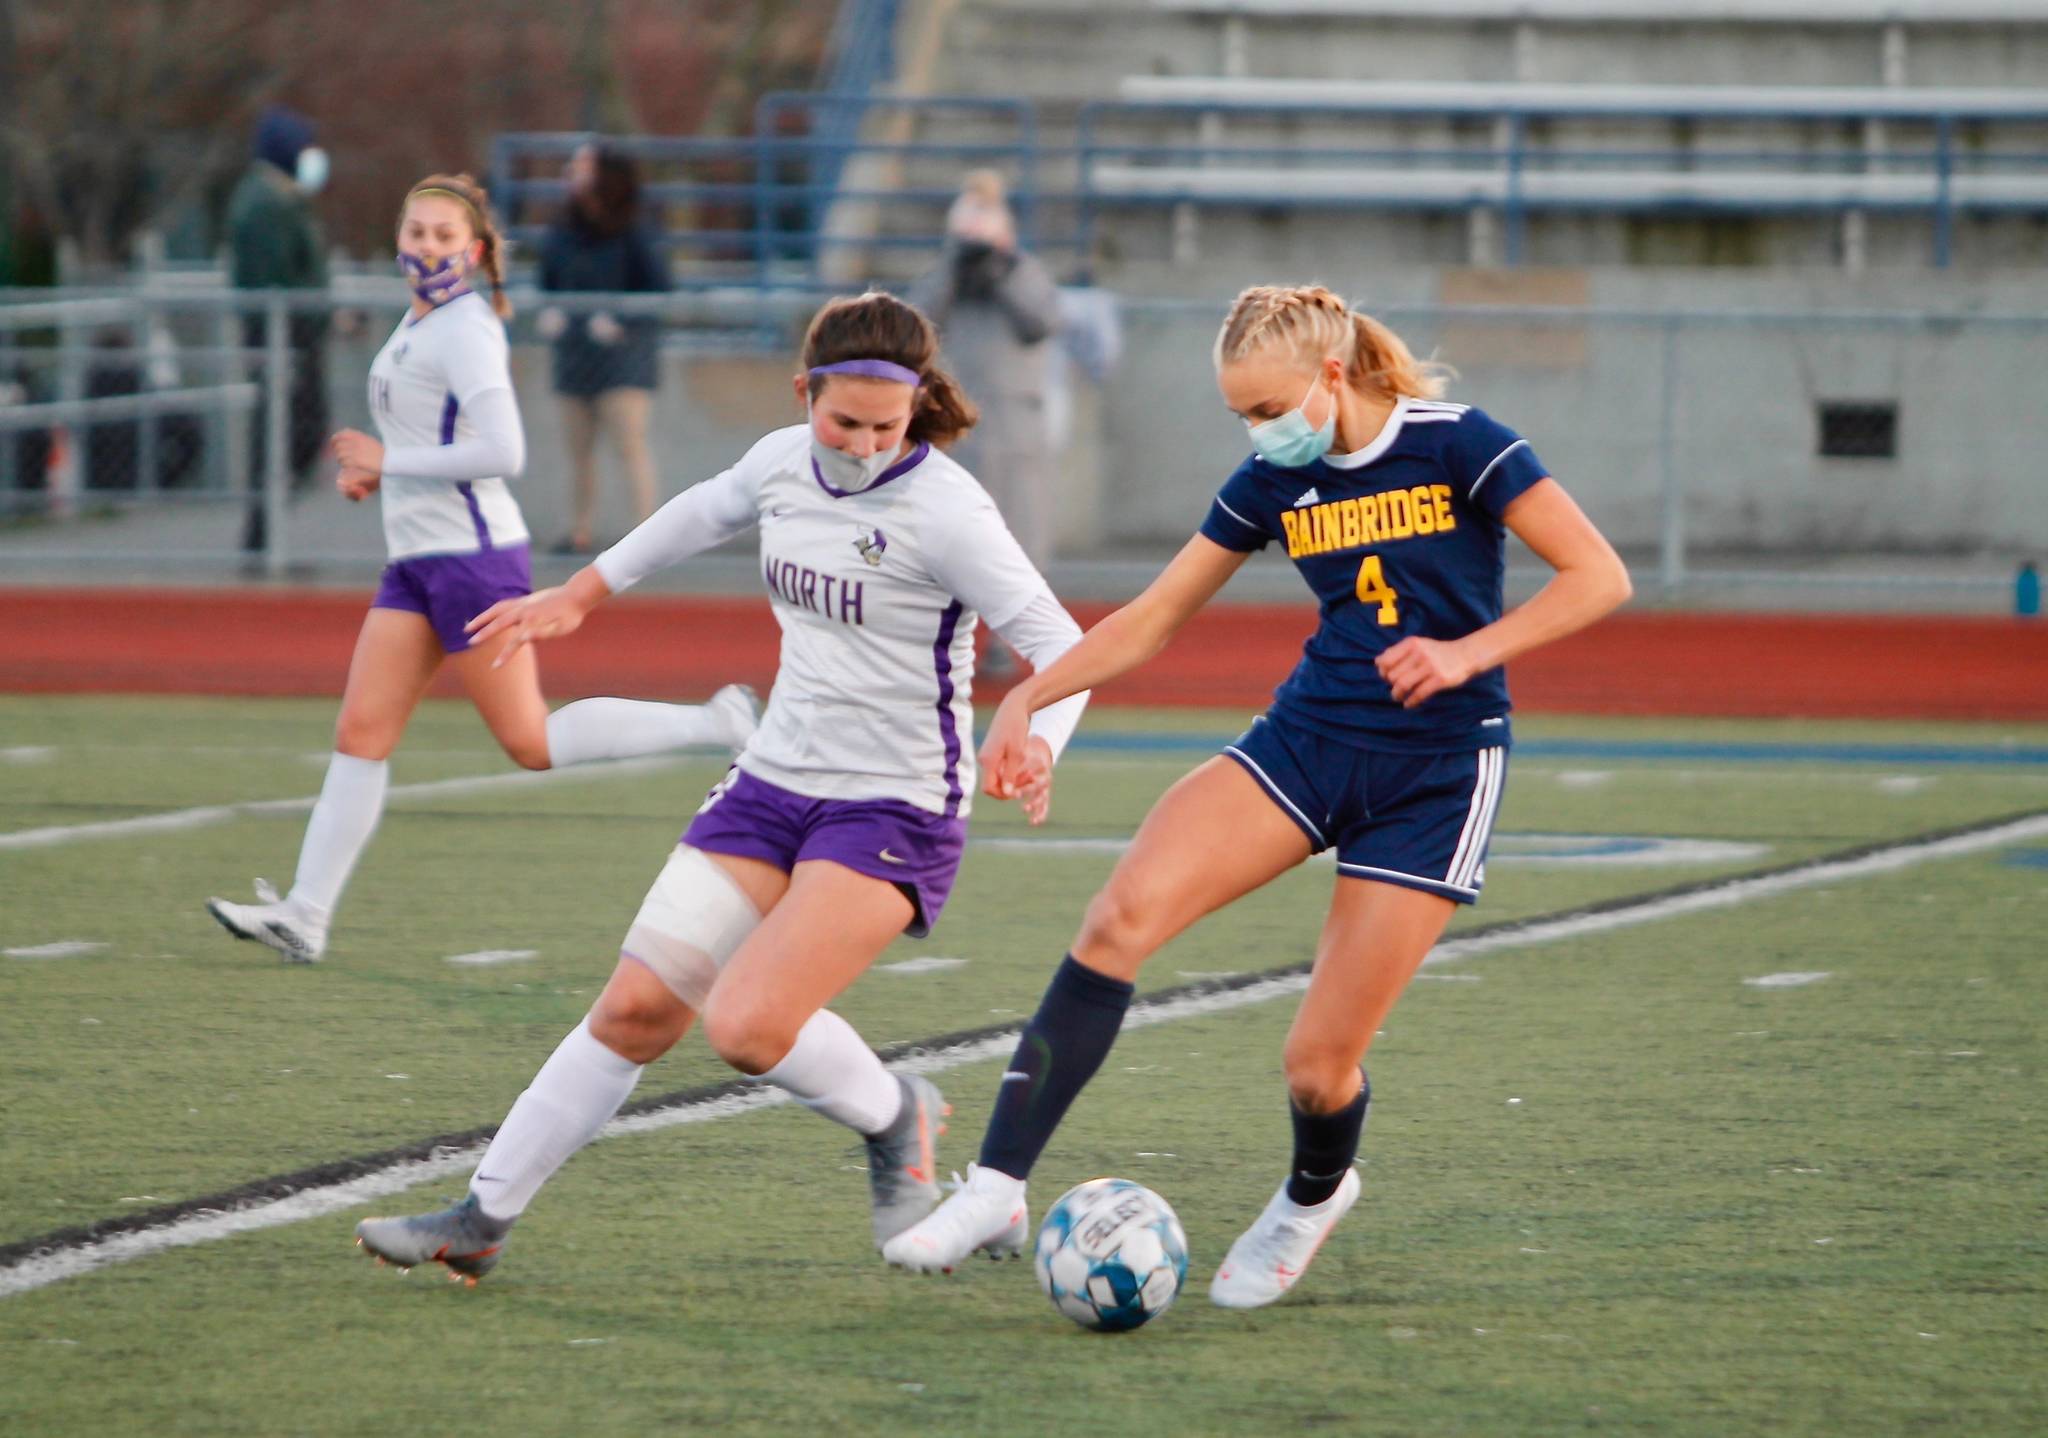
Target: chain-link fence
(1762, 453)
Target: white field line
(179, 819)
(1632, 851)
(61, 949)
(48, 1268)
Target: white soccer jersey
(428, 373)
(877, 594)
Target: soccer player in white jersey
(1388, 743)
(842, 821)
(441, 393)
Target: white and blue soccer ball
(1111, 1254)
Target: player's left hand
(1032, 783)
(605, 328)
(1006, 748)
(1416, 668)
(543, 614)
(356, 450)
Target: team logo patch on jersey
(398, 355)
(1310, 498)
(869, 544)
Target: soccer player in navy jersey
(1389, 742)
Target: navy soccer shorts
(1418, 820)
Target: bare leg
(625, 415)
(1212, 838)
(509, 699)
(579, 430)
(395, 659)
(1375, 938)
(829, 926)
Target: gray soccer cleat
(903, 1172)
(464, 1237)
(279, 923)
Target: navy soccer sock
(1060, 1050)
(1324, 1145)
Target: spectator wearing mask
(275, 243)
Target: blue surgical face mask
(311, 171)
(850, 473)
(1290, 441)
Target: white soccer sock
(831, 1070)
(344, 817)
(580, 1087)
(593, 729)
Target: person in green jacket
(274, 242)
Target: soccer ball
(1111, 1254)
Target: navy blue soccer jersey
(1402, 537)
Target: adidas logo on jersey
(1310, 498)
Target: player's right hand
(356, 485)
(543, 614)
(1005, 757)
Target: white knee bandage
(690, 923)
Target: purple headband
(873, 369)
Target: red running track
(230, 641)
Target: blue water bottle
(2026, 591)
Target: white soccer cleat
(280, 923)
(1276, 1250)
(737, 711)
(987, 1212)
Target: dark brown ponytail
(877, 325)
(477, 200)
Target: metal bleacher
(1141, 131)
(1747, 149)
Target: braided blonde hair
(1312, 323)
(477, 200)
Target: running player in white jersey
(441, 393)
(842, 822)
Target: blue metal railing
(860, 58)
(760, 206)
(1515, 160)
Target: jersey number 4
(1372, 589)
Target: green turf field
(1715, 1208)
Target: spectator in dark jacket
(606, 365)
(274, 243)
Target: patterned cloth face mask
(1290, 441)
(437, 283)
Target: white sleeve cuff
(1042, 631)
